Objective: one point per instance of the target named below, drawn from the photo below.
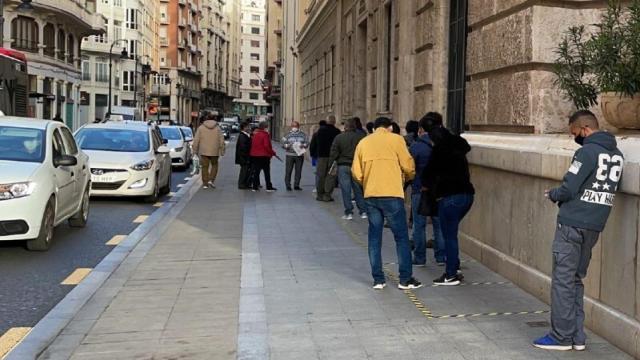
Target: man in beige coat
(209, 145)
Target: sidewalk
(281, 276)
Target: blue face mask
(579, 140)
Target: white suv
(44, 180)
(128, 158)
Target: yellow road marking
(116, 240)
(11, 338)
(140, 219)
(158, 204)
(76, 276)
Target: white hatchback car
(128, 158)
(180, 149)
(44, 180)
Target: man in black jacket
(585, 199)
(243, 147)
(321, 145)
(342, 151)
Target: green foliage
(607, 61)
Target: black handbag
(428, 204)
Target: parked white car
(44, 180)
(180, 149)
(128, 158)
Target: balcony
(182, 44)
(164, 41)
(182, 2)
(182, 23)
(193, 48)
(81, 14)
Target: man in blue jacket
(421, 151)
(585, 199)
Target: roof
(131, 125)
(30, 123)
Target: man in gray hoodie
(585, 199)
(209, 144)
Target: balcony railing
(25, 45)
(164, 41)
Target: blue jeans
(420, 232)
(392, 209)
(347, 183)
(451, 210)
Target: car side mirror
(165, 141)
(163, 150)
(65, 160)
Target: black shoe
(447, 281)
(411, 284)
(297, 188)
(430, 244)
(289, 188)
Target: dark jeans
(451, 211)
(261, 163)
(347, 183)
(391, 209)
(244, 177)
(420, 234)
(571, 256)
(325, 183)
(297, 162)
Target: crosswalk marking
(117, 239)
(76, 276)
(11, 338)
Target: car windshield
(187, 132)
(21, 144)
(171, 133)
(122, 140)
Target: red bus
(14, 83)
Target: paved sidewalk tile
(280, 276)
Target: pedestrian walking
(342, 152)
(243, 158)
(421, 150)
(395, 128)
(411, 128)
(446, 178)
(585, 198)
(296, 144)
(261, 154)
(321, 146)
(382, 164)
(208, 143)
(370, 128)
(358, 124)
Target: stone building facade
(273, 78)
(486, 65)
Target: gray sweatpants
(571, 256)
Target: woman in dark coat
(243, 147)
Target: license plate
(102, 178)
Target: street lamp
(123, 55)
(135, 78)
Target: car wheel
(156, 192)
(167, 188)
(43, 241)
(80, 218)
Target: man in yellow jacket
(382, 164)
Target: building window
(132, 49)
(255, 43)
(117, 30)
(128, 80)
(254, 69)
(132, 19)
(254, 82)
(255, 17)
(61, 43)
(24, 32)
(387, 60)
(255, 56)
(102, 71)
(117, 3)
(255, 30)
(86, 70)
(457, 70)
(254, 96)
(70, 48)
(49, 38)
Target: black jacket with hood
(448, 170)
(588, 188)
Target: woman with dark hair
(411, 128)
(395, 128)
(370, 127)
(358, 124)
(447, 179)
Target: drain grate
(538, 324)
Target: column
(62, 108)
(39, 102)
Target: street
(31, 281)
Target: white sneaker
(364, 216)
(211, 185)
(379, 286)
(314, 191)
(205, 187)
(347, 217)
(579, 347)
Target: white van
(127, 113)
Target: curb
(141, 240)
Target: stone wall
(511, 226)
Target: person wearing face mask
(585, 198)
(295, 143)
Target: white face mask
(295, 129)
(30, 145)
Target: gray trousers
(325, 183)
(571, 256)
(297, 162)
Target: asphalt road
(30, 281)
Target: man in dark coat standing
(243, 148)
(321, 145)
